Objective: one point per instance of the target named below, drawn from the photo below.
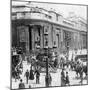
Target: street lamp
(46, 55)
(38, 48)
(46, 78)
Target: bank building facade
(34, 27)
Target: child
(21, 85)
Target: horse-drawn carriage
(81, 63)
(40, 62)
(16, 64)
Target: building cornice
(28, 21)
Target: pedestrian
(21, 85)
(37, 76)
(21, 66)
(29, 86)
(81, 76)
(46, 81)
(31, 75)
(28, 61)
(27, 76)
(55, 63)
(62, 78)
(67, 79)
(50, 79)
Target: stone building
(34, 27)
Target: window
(54, 42)
(46, 40)
(50, 17)
(58, 40)
(56, 17)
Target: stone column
(49, 37)
(61, 41)
(33, 37)
(41, 37)
(27, 38)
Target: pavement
(56, 78)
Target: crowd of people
(64, 78)
(34, 74)
(31, 75)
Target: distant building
(34, 27)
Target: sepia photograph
(49, 44)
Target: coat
(50, 79)
(31, 76)
(37, 73)
(63, 80)
(27, 74)
(67, 80)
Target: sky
(64, 9)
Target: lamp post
(46, 78)
(46, 55)
(37, 43)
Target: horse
(80, 69)
(85, 70)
